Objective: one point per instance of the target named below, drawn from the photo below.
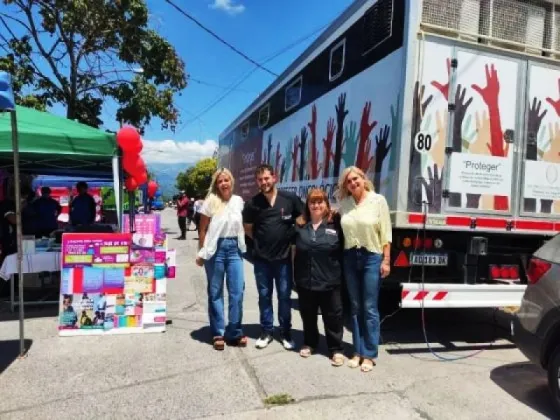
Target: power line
(202, 82)
(234, 85)
(219, 38)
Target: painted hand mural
(419, 106)
(350, 143)
(328, 155)
(394, 133)
(489, 95)
(363, 159)
(444, 87)
(294, 154)
(302, 153)
(287, 161)
(341, 113)
(381, 151)
(268, 151)
(555, 102)
(534, 120)
(432, 186)
(315, 168)
(277, 159)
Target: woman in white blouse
(366, 226)
(221, 242)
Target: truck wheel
(554, 378)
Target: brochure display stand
(112, 285)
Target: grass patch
(279, 399)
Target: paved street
(177, 375)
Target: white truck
(452, 108)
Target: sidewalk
(177, 375)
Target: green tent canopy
(49, 144)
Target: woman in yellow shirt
(366, 226)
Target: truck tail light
(537, 268)
(428, 243)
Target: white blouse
(227, 224)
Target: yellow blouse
(367, 224)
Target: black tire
(554, 377)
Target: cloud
(170, 151)
(228, 6)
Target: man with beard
(269, 219)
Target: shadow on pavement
(9, 352)
(253, 331)
(527, 383)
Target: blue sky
(259, 28)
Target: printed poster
(101, 294)
(95, 249)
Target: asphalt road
(177, 375)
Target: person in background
(182, 208)
(8, 228)
(190, 214)
(196, 209)
(82, 207)
(221, 244)
(318, 274)
(366, 226)
(269, 220)
(47, 209)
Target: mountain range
(166, 175)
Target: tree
(195, 181)
(80, 53)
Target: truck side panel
(358, 118)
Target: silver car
(536, 327)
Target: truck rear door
(484, 132)
(540, 175)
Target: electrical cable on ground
(219, 38)
(423, 315)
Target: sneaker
(263, 341)
(287, 341)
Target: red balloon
(133, 164)
(141, 178)
(129, 140)
(131, 184)
(152, 188)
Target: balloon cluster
(130, 142)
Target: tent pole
(17, 190)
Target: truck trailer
(452, 109)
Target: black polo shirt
(273, 227)
(317, 265)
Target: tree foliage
(80, 53)
(195, 181)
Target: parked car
(536, 327)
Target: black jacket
(318, 261)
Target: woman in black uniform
(317, 274)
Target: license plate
(428, 259)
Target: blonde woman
(221, 243)
(366, 226)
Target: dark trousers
(183, 226)
(330, 303)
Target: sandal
(367, 365)
(305, 352)
(239, 342)
(354, 362)
(218, 343)
(337, 359)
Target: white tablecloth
(32, 263)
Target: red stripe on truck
(440, 295)
(489, 222)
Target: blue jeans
(226, 262)
(265, 274)
(363, 280)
